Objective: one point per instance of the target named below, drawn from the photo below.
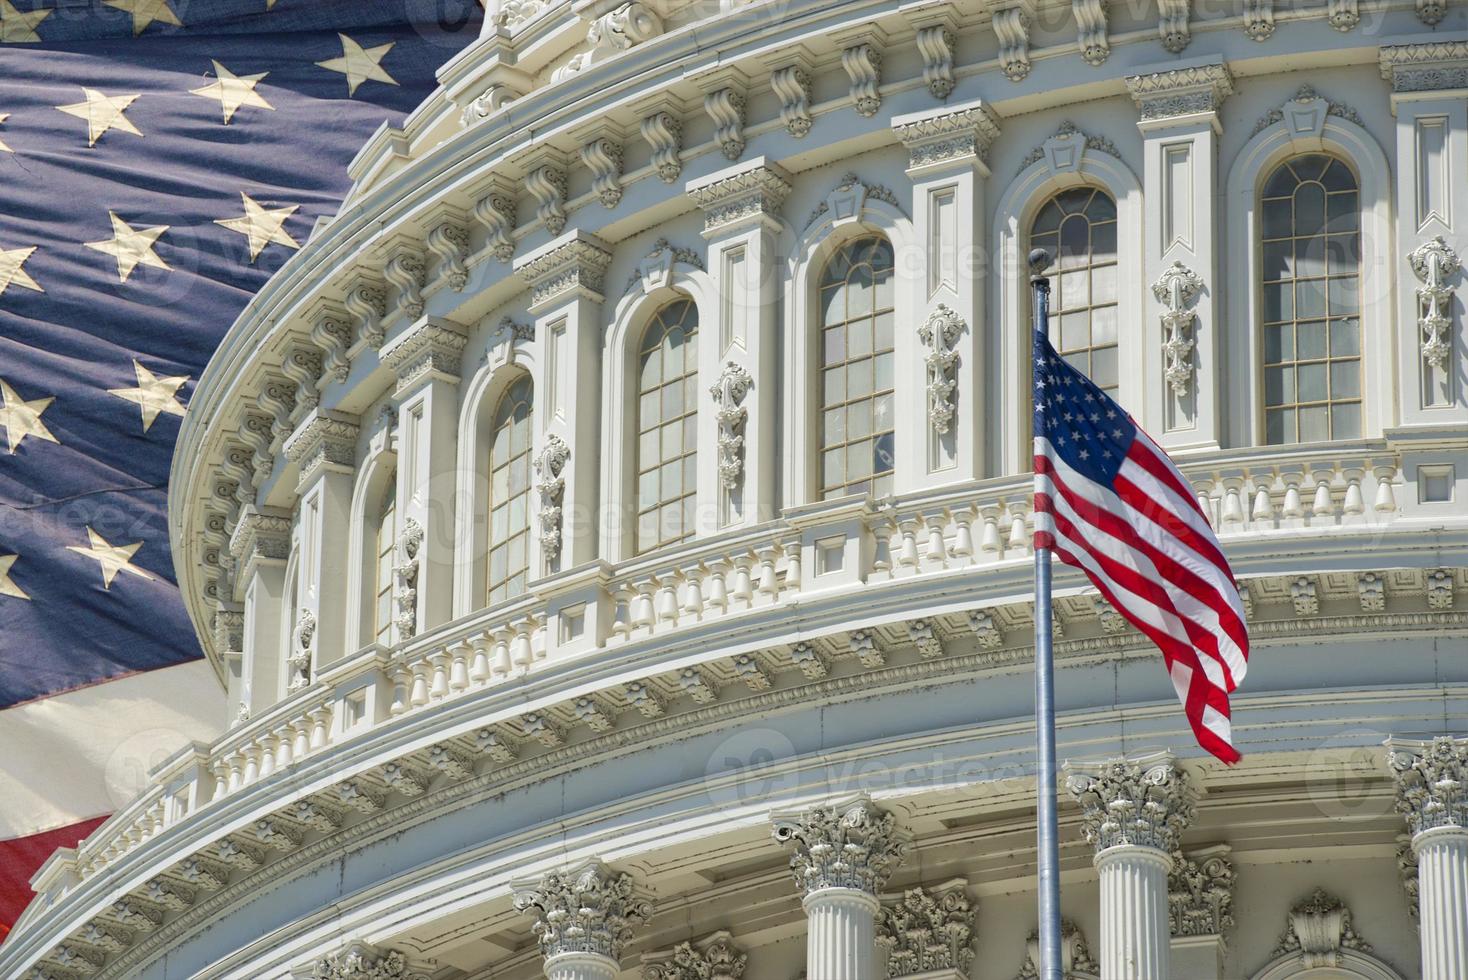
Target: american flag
(159, 160)
(1110, 502)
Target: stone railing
(819, 552)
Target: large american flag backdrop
(1110, 502)
(159, 159)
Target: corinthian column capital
(1142, 802)
(1430, 781)
(852, 844)
(587, 911)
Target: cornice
(430, 349)
(941, 137)
(732, 198)
(1432, 66)
(323, 442)
(1181, 92)
(260, 536)
(574, 265)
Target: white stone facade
(555, 641)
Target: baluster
(1294, 507)
(440, 686)
(769, 585)
(907, 554)
(1263, 510)
(1354, 504)
(1205, 502)
(252, 765)
(537, 640)
(301, 728)
(693, 590)
(743, 586)
(793, 571)
(989, 539)
(402, 680)
(320, 720)
(1386, 500)
(623, 616)
(459, 665)
(502, 665)
(883, 532)
(718, 591)
(221, 779)
(236, 770)
(284, 745)
(937, 551)
(1233, 504)
(479, 667)
(1323, 505)
(520, 653)
(1019, 532)
(419, 696)
(666, 598)
(266, 746)
(963, 535)
(646, 613)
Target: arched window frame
(1243, 374)
(496, 543)
(376, 474)
(834, 228)
(509, 356)
(660, 280)
(1015, 215)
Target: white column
(260, 546)
(738, 353)
(566, 280)
(1183, 372)
(584, 917)
(844, 853)
(426, 359)
(324, 450)
(942, 361)
(1133, 812)
(1432, 796)
(1432, 141)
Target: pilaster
(715, 957)
(738, 353)
(324, 451)
(584, 917)
(1200, 907)
(260, 547)
(566, 277)
(929, 933)
(1133, 812)
(1182, 356)
(843, 855)
(426, 359)
(1432, 795)
(947, 152)
(1430, 101)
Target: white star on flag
(17, 27)
(360, 64)
(233, 91)
(102, 112)
(154, 395)
(7, 585)
(262, 226)
(112, 558)
(12, 270)
(131, 247)
(144, 12)
(21, 418)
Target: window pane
(509, 493)
(1345, 379)
(1310, 340)
(1314, 423)
(667, 422)
(1346, 420)
(1083, 306)
(1345, 338)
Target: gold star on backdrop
(234, 91)
(17, 27)
(131, 247)
(145, 12)
(262, 226)
(154, 395)
(21, 418)
(12, 270)
(360, 64)
(3, 148)
(112, 558)
(102, 112)
(8, 587)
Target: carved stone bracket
(852, 844)
(729, 393)
(1091, 28)
(1142, 803)
(928, 930)
(1172, 24)
(1432, 781)
(448, 240)
(590, 909)
(547, 184)
(936, 44)
(714, 957)
(1318, 929)
(551, 485)
(1434, 263)
(408, 273)
(1075, 954)
(663, 131)
(1200, 893)
(496, 212)
(1176, 289)
(938, 335)
(603, 157)
(1012, 24)
(725, 106)
(615, 31)
(791, 85)
(1259, 19)
(863, 64)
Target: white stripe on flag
(87, 752)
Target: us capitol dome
(613, 528)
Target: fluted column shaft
(1442, 891)
(580, 966)
(841, 934)
(1135, 936)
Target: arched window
(1310, 216)
(384, 548)
(667, 426)
(1078, 228)
(509, 494)
(857, 316)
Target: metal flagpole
(1047, 846)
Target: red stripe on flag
(22, 856)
